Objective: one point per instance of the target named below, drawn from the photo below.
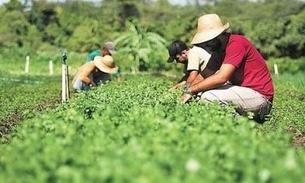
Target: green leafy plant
(141, 48)
(137, 131)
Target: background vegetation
(143, 29)
(137, 131)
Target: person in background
(195, 61)
(107, 49)
(251, 88)
(84, 79)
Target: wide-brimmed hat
(110, 47)
(176, 47)
(105, 64)
(208, 27)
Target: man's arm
(118, 76)
(84, 75)
(204, 74)
(181, 82)
(218, 79)
(77, 73)
(192, 75)
(119, 79)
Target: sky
(180, 2)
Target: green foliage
(13, 61)
(264, 33)
(142, 49)
(287, 65)
(286, 113)
(137, 131)
(82, 25)
(14, 5)
(292, 44)
(83, 42)
(275, 33)
(184, 29)
(15, 30)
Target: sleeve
(197, 59)
(193, 60)
(235, 54)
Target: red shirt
(251, 68)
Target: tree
(292, 43)
(15, 29)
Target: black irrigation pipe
(20, 80)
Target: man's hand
(186, 97)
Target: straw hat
(105, 64)
(209, 26)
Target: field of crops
(137, 131)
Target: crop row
(137, 131)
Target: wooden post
(27, 64)
(51, 67)
(67, 82)
(276, 71)
(63, 82)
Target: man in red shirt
(251, 87)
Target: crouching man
(84, 78)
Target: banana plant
(140, 46)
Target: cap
(175, 48)
(110, 47)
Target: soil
(299, 141)
(7, 125)
(298, 138)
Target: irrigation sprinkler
(65, 79)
